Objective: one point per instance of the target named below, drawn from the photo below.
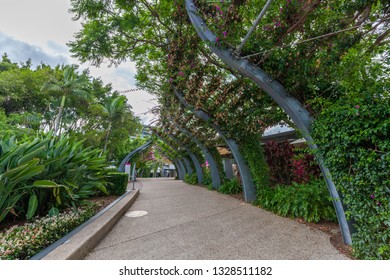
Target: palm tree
(72, 84)
(114, 109)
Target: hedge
(117, 183)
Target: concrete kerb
(78, 243)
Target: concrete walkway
(190, 222)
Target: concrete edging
(78, 245)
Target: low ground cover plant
(21, 242)
(310, 201)
(232, 186)
(191, 179)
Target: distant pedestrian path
(181, 221)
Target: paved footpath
(189, 222)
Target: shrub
(279, 158)
(37, 175)
(231, 187)
(207, 180)
(117, 183)
(353, 138)
(191, 179)
(304, 168)
(308, 201)
(23, 242)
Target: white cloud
(40, 29)
(19, 51)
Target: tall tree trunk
(59, 116)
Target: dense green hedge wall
(353, 137)
(117, 183)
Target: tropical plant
(47, 173)
(191, 179)
(207, 180)
(231, 187)
(309, 201)
(279, 159)
(71, 85)
(19, 165)
(114, 109)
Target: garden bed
(23, 239)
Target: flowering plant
(21, 242)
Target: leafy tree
(70, 85)
(114, 109)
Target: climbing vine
(353, 136)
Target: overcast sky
(40, 29)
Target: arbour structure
(176, 82)
(293, 108)
(300, 116)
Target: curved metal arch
(182, 167)
(187, 163)
(121, 167)
(179, 170)
(247, 181)
(215, 176)
(195, 161)
(170, 158)
(179, 161)
(294, 109)
(228, 167)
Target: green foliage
(64, 101)
(23, 242)
(231, 187)
(308, 201)
(207, 180)
(320, 52)
(252, 151)
(353, 136)
(117, 183)
(45, 172)
(71, 85)
(191, 179)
